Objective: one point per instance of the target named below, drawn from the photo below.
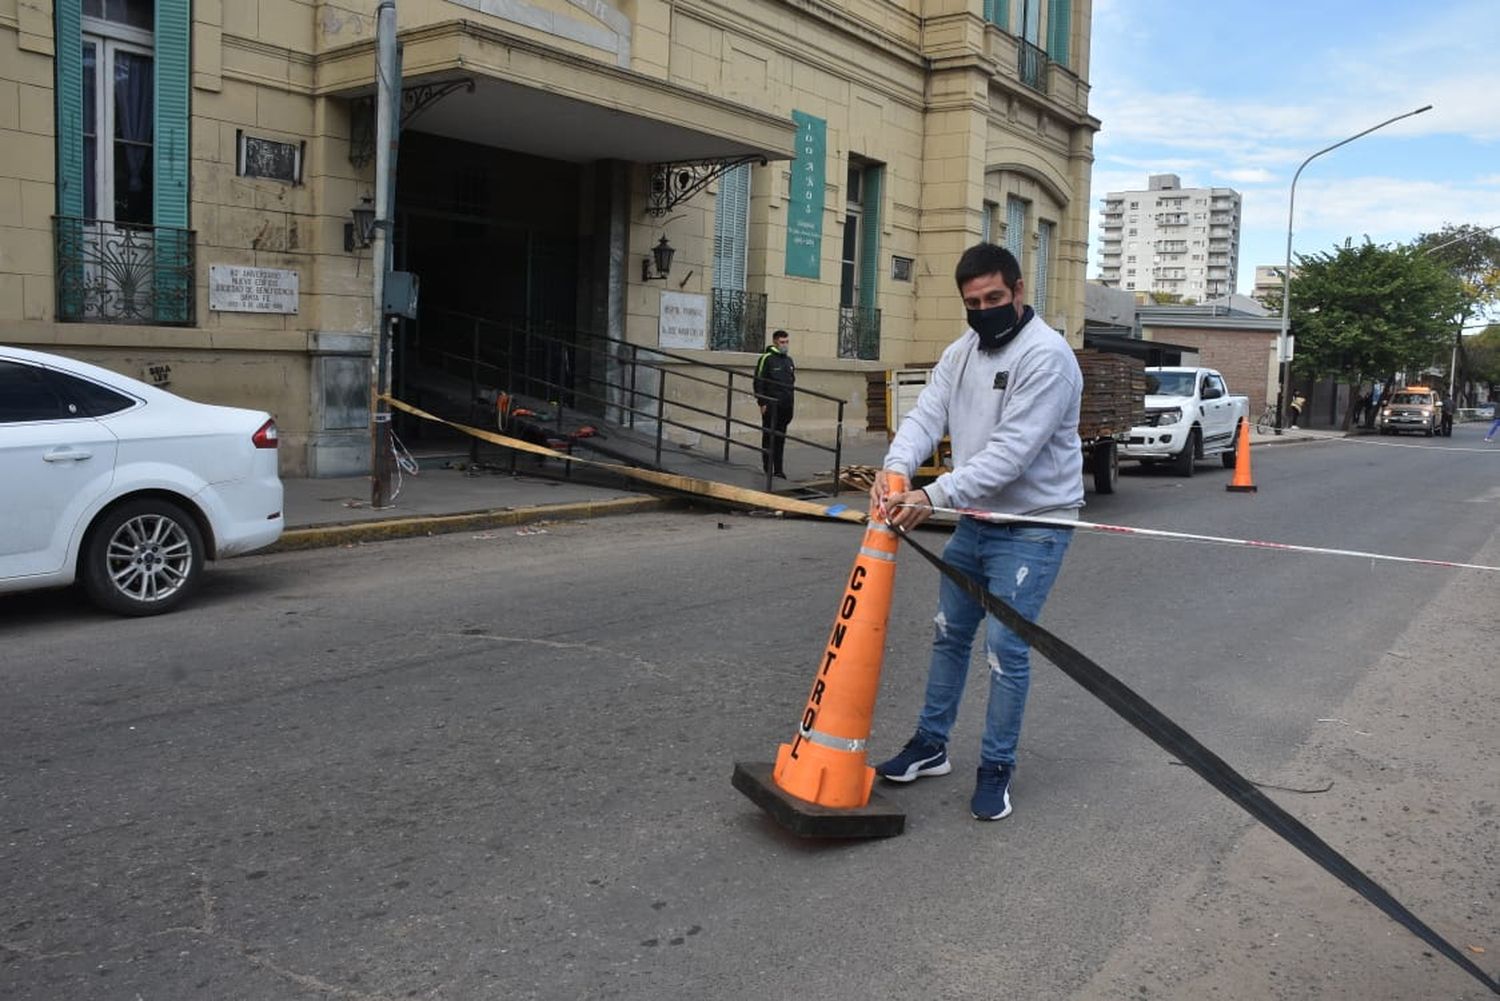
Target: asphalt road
(497, 765)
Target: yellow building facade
(181, 179)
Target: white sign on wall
(684, 321)
(234, 289)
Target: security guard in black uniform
(775, 374)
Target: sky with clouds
(1237, 94)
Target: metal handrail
(592, 342)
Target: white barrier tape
(1156, 533)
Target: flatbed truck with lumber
(1114, 394)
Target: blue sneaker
(919, 757)
(992, 792)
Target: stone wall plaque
(233, 289)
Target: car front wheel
(144, 557)
(1182, 462)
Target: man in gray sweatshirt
(1007, 394)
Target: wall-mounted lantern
(662, 255)
(360, 233)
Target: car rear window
(89, 397)
(27, 395)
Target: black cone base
(1241, 489)
(878, 818)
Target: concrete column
(952, 201)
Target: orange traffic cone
(820, 785)
(1241, 482)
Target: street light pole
(1286, 275)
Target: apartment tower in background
(1171, 239)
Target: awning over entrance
(551, 103)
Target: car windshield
(1411, 399)
(1170, 383)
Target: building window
(118, 111)
(987, 222)
(123, 252)
(1043, 266)
(1015, 226)
(859, 260)
(738, 317)
(997, 12)
(1031, 21)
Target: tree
(1472, 255)
(1366, 312)
(1483, 359)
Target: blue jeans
(1494, 427)
(1017, 564)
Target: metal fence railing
(737, 320)
(605, 378)
(1031, 65)
(111, 272)
(859, 333)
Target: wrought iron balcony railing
(1031, 65)
(859, 333)
(119, 273)
(737, 320)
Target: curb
(349, 533)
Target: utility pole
(387, 98)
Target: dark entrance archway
(494, 237)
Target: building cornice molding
(761, 34)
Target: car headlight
(1168, 417)
(1385, 411)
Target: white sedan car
(123, 486)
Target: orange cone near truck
(821, 782)
(1241, 483)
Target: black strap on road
(1214, 770)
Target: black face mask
(996, 326)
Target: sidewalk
(448, 496)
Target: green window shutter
(869, 264)
(68, 65)
(174, 292)
(867, 310)
(1040, 289)
(1059, 29)
(173, 65)
(69, 68)
(1015, 226)
(1002, 14)
(731, 228)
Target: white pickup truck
(1189, 416)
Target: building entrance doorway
(494, 238)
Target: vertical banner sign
(804, 220)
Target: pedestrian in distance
(775, 375)
(1294, 410)
(1007, 393)
(1490, 434)
(1447, 424)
